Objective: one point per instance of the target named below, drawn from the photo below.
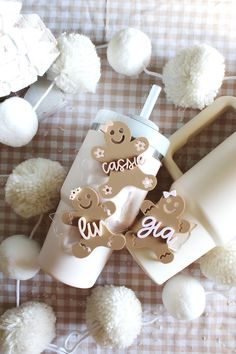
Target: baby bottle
(209, 192)
(55, 258)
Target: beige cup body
(209, 189)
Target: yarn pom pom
(129, 51)
(78, 67)
(184, 297)
(194, 76)
(118, 312)
(27, 329)
(18, 257)
(33, 187)
(219, 264)
(18, 121)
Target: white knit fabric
(194, 76)
(33, 187)
(27, 329)
(78, 67)
(118, 312)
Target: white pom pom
(184, 297)
(78, 67)
(18, 122)
(219, 264)
(129, 51)
(33, 187)
(27, 329)
(18, 257)
(118, 311)
(194, 76)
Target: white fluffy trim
(18, 122)
(27, 329)
(129, 51)
(219, 264)
(18, 257)
(194, 76)
(78, 67)
(33, 187)
(184, 297)
(118, 312)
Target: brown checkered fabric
(171, 25)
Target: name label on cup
(123, 164)
(121, 157)
(161, 227)
(151, 226)
(89, 216)
(90, 229)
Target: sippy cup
(54, 257)
(209, 191)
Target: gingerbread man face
(169, 210)
(88, 217)
(84, 200)
(121, 159)
(117, 133)
(172, 205)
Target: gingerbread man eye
(168, 200)
(88, 196)
(112, 132)
(121, 130)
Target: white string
(36, 227)
(44, 95)
(152, 73)
(71, 350)
(83, 336)
(67, 349)
(155, 319)
(229, 78)
(101, 46)
(55, 349)
(17, 293)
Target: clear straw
(150, 101)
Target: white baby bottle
(104, 173)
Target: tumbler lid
(140, 125)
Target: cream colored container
(209, 189)
(54, 259)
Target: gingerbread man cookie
(121, 158)
(159, 225)
(169, 210)
(89, 216)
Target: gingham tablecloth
(171, 25)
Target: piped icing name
(90, 229)
(151, 226)
(121, 165)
